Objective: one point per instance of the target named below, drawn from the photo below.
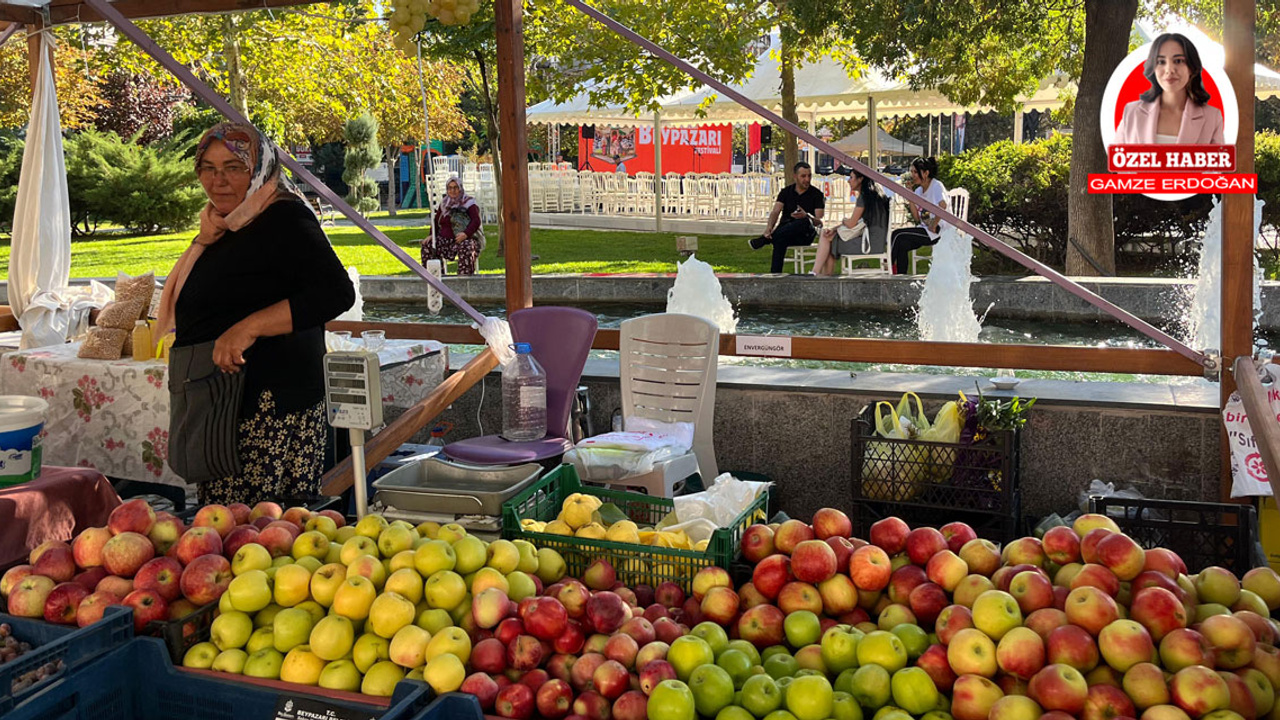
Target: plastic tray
(452, 706)
(634, 564)
(441, 487)
(138, 682)
(1202, 533)
(72, 645)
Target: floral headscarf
(463, 202)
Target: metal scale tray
(441, 487)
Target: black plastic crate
(998, 528)
(1201, 533)
(173, 632)
(978, 478)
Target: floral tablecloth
(113, 415)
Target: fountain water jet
(945, 312)
(697, 292)
(1204, 315)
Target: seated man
(801, 206)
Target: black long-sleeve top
(282, 255)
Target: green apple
(251, 556)
(712, 689)
(913, 638)
(231, 630)
(302, 666)
(314, 609)
(381, 679)
(733, 712)
(445, 590)
(760, 695)
(265, 664)
(687, 653)
(779, 715)
(844, 707)
(390, 612)
(354, 598)
(395, 539)
(369, 649)
(470, 553)
(844, 681)
(913, 690)
(811, 698)
(746, 648)
(672, 700)
(407, 583)
(250, 592)
(263, 637)
(433, 620)
(713, 634)
(529, 563)
(802, 628)
(433, 556)
(781, 666)
(871, 686)
(332, 637)
(773, 650)
(341, 675)
(502, 556)
(551, 566)
(737, 664)
(371, 526)
(292, 627)
(355, 547)
(839, 650)
(312, 564)
(292, 586)
(521, 586)
(200, 656)
(231, 661)
(266, 616)
(884, 649)
(450, 641)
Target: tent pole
(873, 133)
(1238, 18)
(1017, 127)
(657, 171)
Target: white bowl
(1003, 383)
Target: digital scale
(353, 400)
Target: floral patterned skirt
(281, 456)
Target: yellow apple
(370, 567)
(340, 675)
(503, 556)
(200, 656)
(445, 590)
(345, 533)
(357, 546)
(487, 578)
(453, 640)
(401, 560)
(471, 555)
(445, 673)
(433, 620)
(230, 661)
(264, 664)
(407, 582)
(251, 556)
(326, 581)
(520, 586)
(551, 567)
(322, 524)
(310, 543)
(371, 526)
(292, 627)
(302, 666)
(354, 598)
(429, 529)
(433, 556)
(263, 637)
(314, 609)
(409, 646)
(395, 539)
(381, 679)
(231, 630)
(528, 557)
(390, 612)
(266, 616)
(369, 649)
(451, 533)
(250, 592)
(293, 585)
(332, 637)
(310, 563)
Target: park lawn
(558, 251)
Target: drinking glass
(374, 340)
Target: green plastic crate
(635, 564)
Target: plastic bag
(699, 514)
(1248, 474)
(1098, 488)
(893, 471)
(918, 419)
(617, 455)
(945, 429)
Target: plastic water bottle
(524, 397)
(437, 437)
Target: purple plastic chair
(561, 339)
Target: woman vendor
(248, 301)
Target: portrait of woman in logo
(1177, 107)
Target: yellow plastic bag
(945, 429)
(917, 421)
(892, 471)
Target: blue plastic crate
(138, 682)
(74, 646)
(452, 706)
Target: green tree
(78, 92)
(363, 153)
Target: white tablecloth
(113, 415)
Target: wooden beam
(906, 352)
(33, 57)
(19, 15)
(513, 142)
(1262, 420)
(338, 480)
(62, 12)
(1237, 212)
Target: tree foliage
(78, 93)
(363, 153)
(139, 104)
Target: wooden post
(657, 171)
(33, 55)
(1262, 421)
(873, 134)
(1237, 213)
(514, 150)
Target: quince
(592, 531)
(557, 527)
(578, 510)
(623, 532)
(533, 525)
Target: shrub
(10, 167)
(363, 153)
(144, 188)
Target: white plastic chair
(669, 363)
(884, 259)
(958, 204)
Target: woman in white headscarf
(459, 235)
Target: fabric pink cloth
(1201, 124)
(58, 506)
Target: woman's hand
(460, 237)
(228, 351)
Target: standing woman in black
(250, 298)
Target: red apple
(199, 541)
(923, 543)
(147, 607)
(1021, 653)
(972, 697)
(790, 534)
(483, 687)
(633, 705)
(761, 626)
(982, 556)
(546, 618)
(524, 653)
(1232, 641)
(668, 630)
(1045, 621)
(508, 630)
(670, 595)
(843, 548)
(957, 534)
(813, 561)
(86, 549)
(797, 596)
(1097, 576)
(903, 581)
(554, 699)
(63, 602)
(571, 640)
(125, 553)
(1121, 555)
(1032, 590)
(115, 585)
(559, 667)
(829, 522)
(1199, 690)
(600, 575)
(93, 606)
(298, 516)
(574, 595)
(277, 540)
(655, 672)
(1059, 687)
(591, 705)
(269, 510)
(134, 516)
(1164, 561)
(1242, 702)
(757, 543)
(161, 574)
(583, 669)
(890, 535)
(771, 574)
(606, 612)
(1072, 645)
(534, 679)
(12, 577)
(611, 679)
(1159, 611)
(1183, 648)
(952, 620)
(1125, 643)
(927, 601)
(870, 568)
(514, 701)
(90, 578)
(1061, 545)
(489, 656)
(205, 579)
(1106, 702)
(238, 538)
(934, 662)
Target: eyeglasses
(230, 172)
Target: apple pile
(939, 624)
(148, 561)
(360, 608)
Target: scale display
(353, 390)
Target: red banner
(705, 148)
(1167, 183)
(1171, 158)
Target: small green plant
(363, 153)
(995, 415)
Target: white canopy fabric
(824, 88)
(1266, 82)
(856, 142)
(40, 260)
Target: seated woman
(871, 208)
(459, 235)
(923, 172)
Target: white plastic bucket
(21, 420)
